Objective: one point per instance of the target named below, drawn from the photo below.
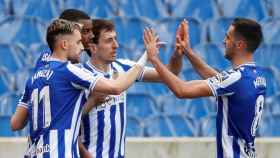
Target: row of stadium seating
(203, 10)
(30, 31)
(153, 110)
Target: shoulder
(123, 64)
(226, 78)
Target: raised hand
(151, 43)
(182, 37)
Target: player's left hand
(151, 43)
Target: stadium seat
(43, 9)
(213, 55)
(208, 126)
(141, 106)
(158, 126)
(217, 29)
(10, 56)
(8, 103)
(242, 8)
(5, 85)
(166, 28)
(150, 9)
(25, 30)
(271, 31)
(5, 127)
(173, 106)
(198, 109)
(203, 10)
(272, 80)
(272, 7)
(184, 125)
(101, 8)
(134, 127)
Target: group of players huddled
(79, 109)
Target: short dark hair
(59, 27)
(74, 15)
(99, 25)
(250, 30)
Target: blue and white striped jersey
(56, 91)
(104, 127)
(240, 96)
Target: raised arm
(174, 65)
(180, 88)
(202, 68)
(123, 81)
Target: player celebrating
(240, 91)
(57, 93)
(104, 128)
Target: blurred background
(151, 108)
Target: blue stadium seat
(158, 126)
(218, 29)
(208, 126)
(8, 103)
(5, 85)
(272, 80)
(150, 9)
(25, 30)
(203, 10)
(184, 125)
(141, 106)
(213, 55)
(101, 8)
(198, 109)
(268, 52)
(43, 9)
(271, 31)
(5, 127)
(173, 106)
(134, 127)
(190, 74)
(242, 8)
(11, 57)
(273, 7)
(166, 28)
(127, 8)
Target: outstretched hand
(182, 37)
(151, 43)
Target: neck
(59, 55)
(100, 65)
(241, 59)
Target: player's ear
(63, 44)
(92, 47)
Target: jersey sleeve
(81, 78)
(127, 64)
(224, 83)
(26, 96)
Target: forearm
(171, 80)
(202, 68)
(175, 63)
(125, 80)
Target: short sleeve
(81, 78)
(224, 83)
(26, 95)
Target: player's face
(75, 47)
(86, 32)
(230, 43)
(107, 46)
